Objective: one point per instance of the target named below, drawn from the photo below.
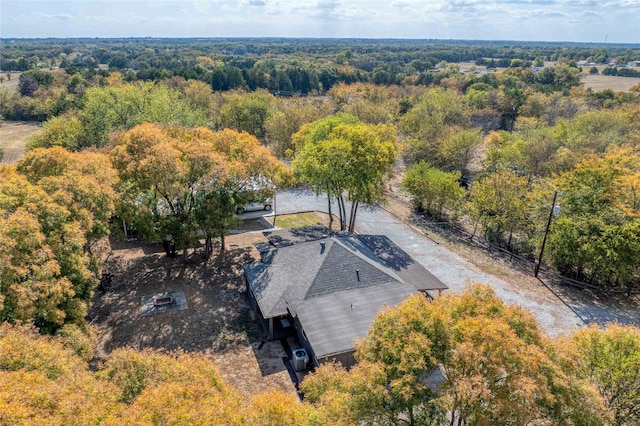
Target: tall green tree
(247, 112)
(289, 117)
(65, 131)
(341, 156)
(458, 148)
(433, 190)
(610, 359)
(498, 203)
(427, 122)
(595, 236)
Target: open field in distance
(12, 84)
(602, 82)
(13, 138)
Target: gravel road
(558, 310)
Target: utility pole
(275, 214)
(546, 231)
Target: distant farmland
(13, 137)
(599, 82)
(10, 85)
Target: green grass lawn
(299, 219)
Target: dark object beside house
(330, 286)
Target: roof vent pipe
(322, 247)
(358, 274)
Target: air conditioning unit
(300, 359)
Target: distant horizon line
(599, 43)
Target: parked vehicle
(254, 206)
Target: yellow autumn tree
(278, 408)
(54, 206)
(179, 181)
(178, 388)
(467, 357)
(44, 383)
(609, 358)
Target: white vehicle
(255, 205)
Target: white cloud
(254, 3)
(53, 17)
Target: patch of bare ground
(13, 138)
(219, 320)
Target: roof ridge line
(377, 265)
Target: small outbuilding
(327, 287)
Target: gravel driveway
(558, 310)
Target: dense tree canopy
(610, 359)
(596, 234)
(246, 112)
(428, 123)
(496, 365)
(514, 135)
(180, 182)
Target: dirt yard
(13, 137)
(219, 320)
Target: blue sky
(545, 20)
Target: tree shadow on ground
(269, 356)
(594, 308)
(218, 318)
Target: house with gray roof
(327, 287)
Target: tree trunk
(352, 218)
(340, 212)
(208, 247)
(330, 214)
(343, 216)
(475, 228)
(412, 420)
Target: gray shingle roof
(386, 251)
(334, 322)
(290, 268)
(318, 278)
(341, 270)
